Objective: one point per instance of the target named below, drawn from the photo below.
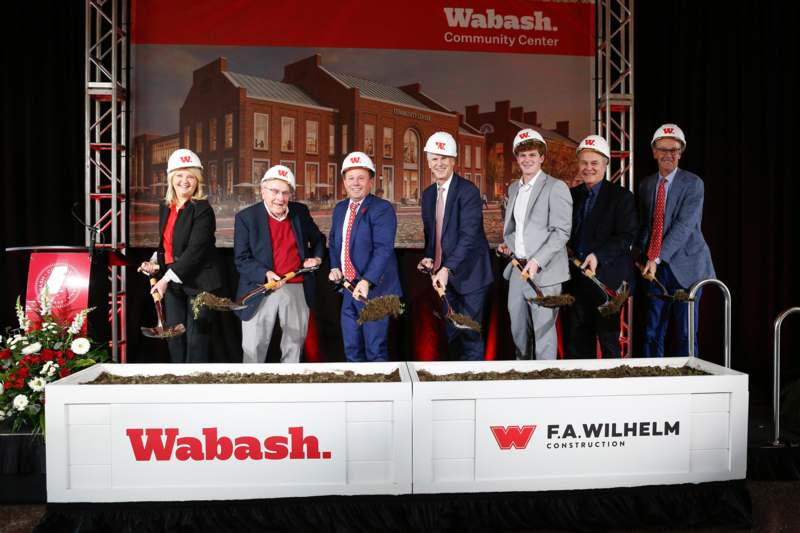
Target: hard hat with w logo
(594, 143)
(183, 158)
(669, 131)
(442, 143)
(526, 135)
(280, 172)
(358, 160)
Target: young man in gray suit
(537, 227)
(670, 239)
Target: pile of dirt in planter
(348, 376)
(623, 371)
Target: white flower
(20, 402)
(33, 348)
(15, 340)
(49, 369)
(44, 302)
(2, 415)
(36, 384)
(77, 322)
(80, 346)
(22, 317)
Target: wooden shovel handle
(156, 295)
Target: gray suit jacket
(548, 222)
(683, 246)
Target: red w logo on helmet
(589, 142)
(186, 159)
(282, 173)
(524, 135)
(439, 145)
(355, 159)
(669, 130)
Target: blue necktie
(583, 214)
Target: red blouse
(169, 229)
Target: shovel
(561, 300)
(679, 296)
(271, 285)
(160, 331)
(374, 308)
(212, 301)
(614, 299)
(459, 320)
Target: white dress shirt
(520, 210)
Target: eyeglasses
(276, 192)
(671, 151)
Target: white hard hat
(595, 143)
(358, 160)
(183, 158)
(441, 143)
(670, 131)
(279, 172)
(526, 135)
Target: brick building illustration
(241, 124)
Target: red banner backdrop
(524, 27)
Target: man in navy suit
(270, 239)
(670, 238)
(362, 252)
(456, 249)
(603, 229)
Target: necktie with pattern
(437, 262)
(657, 234)
(349, 269)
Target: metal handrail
(692, 331)
(776, 373)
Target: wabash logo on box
(166, 444)
(509, 437)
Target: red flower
(23, 372)
(70, 355)
(64, 372)
(5, 354)
(48, 354)
(60, 361)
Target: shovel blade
(164, 333)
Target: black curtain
(42, 148)
(725, 74)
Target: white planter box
(483, 436)
(213, 442)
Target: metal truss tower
(106, 75)
(614, 107)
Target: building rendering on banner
(240, 125)
(500, 126)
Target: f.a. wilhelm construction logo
(585, 435)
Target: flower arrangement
(31, 357)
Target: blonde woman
(186, 255)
